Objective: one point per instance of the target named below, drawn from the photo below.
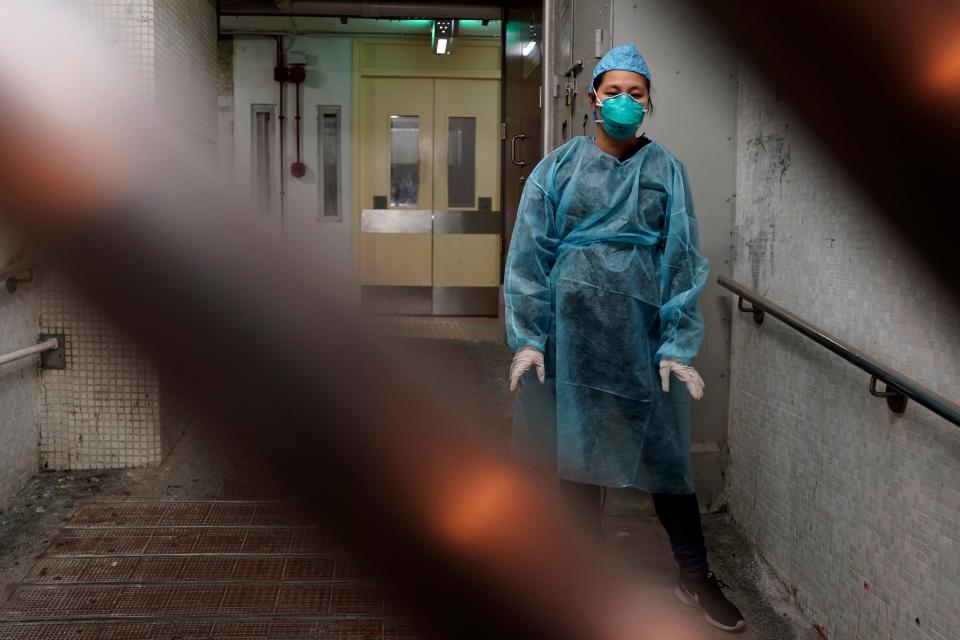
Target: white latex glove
(687, 375)
(523, 360)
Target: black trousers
(679, 515)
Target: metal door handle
(513, 149)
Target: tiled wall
(103, 410)
(857, 510)
(187, 75)
(225, 117)
(128, 27)
(18, 380)
(107, 409)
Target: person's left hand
(687, 375)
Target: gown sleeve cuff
(670, 351)
(534, 344)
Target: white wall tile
(107, 409)
(854, 507)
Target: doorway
(429, 177)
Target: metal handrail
(898, 386)
(50, 344)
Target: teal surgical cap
(626, 57)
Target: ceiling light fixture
(442, 36)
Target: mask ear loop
(597, 103)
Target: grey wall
(856, 509)
(695, 116)
(574, 39)
(19, 327)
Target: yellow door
(396, 172)
(466, 252)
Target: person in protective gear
(601, 291)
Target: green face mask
(621, 115)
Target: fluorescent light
(441, 46)
(529, 47)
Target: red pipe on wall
(296, 74)
(280, 75)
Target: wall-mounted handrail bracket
(55, 358)
(13, 282)
(895, 400)
(19, 269)
(758, 314)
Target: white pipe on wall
(46, 345)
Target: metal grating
(31, 602)
(309, 568)
(247, 599)
(267, 542)
(156, 569)
(303, 600)
(53, 571)
(103, 541)
(311, 541)
(189, 570)
(220, 513)
(207, 569)
(101, 631)
(354, 598)
(259, 568)
(56, 571)
(231, 513)
(357, 629)
(109, 569)
(218, 541)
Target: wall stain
(767, 163)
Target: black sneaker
(707, 596)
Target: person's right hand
(523, 360)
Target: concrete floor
(90, 555)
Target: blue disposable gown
(604, 275)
